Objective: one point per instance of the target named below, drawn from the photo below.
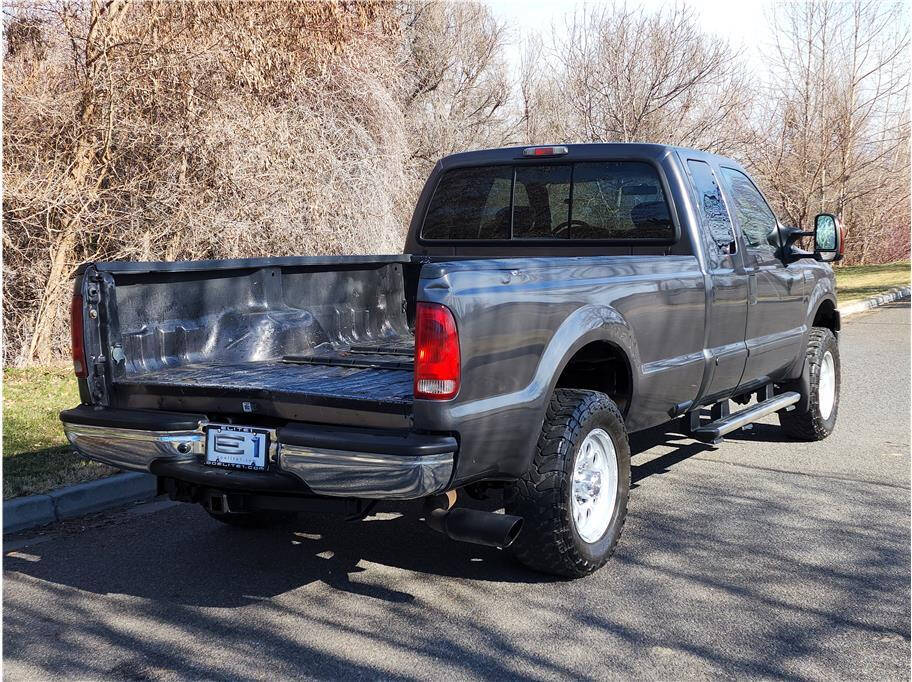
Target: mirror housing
(790, 235)
(828, 243)
(790, 252)
(828, 240)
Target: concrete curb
(22, 513)
(875, 301)
(27, 512)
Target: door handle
(752, 289)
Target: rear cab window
(471, 203)
(541, 201)
(604, 201)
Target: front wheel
(573, 498)
(820, 391)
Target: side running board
(713, 431)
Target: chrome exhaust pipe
(478, 527)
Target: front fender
(823, 291)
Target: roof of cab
(576, 152)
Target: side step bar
(714, 430)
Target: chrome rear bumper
(135, 449)
(325, 471)
(360, 474)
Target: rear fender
(498, 434)
(586, 324)
(593, 323)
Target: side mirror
(827, 238)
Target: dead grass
(861, 281)
(36, 455)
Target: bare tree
(223, 128)
(154, 130)
(834, 134)
(630, 75)
(216, 128)
(88, 160)
(460, 87)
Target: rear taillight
(79, 362)
(436, 353)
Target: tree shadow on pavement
(717, 580)
(717, 575)
(201, 562)
(684, 447)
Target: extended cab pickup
(551, 300)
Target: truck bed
(288, 334)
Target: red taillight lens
(79, 362)
(436, 353)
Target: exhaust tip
(513, 533)
(477, 527)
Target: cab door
(727, 313)
(776, 294)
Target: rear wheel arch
(603, 356)
(600, 365)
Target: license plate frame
(230, 446)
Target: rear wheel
(573, 499)
(820, 392)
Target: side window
(541, 202)
(471, 203)
(758, 224)
(716, 220)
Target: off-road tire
(549, 541)
(809, 424)
(253, 519)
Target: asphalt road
(761, 557)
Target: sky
(743, 23)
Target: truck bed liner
(397, 353)
(304, 383)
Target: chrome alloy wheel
(595, 480)
(826, 385)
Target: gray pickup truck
(551, 300)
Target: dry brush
(149, 129)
